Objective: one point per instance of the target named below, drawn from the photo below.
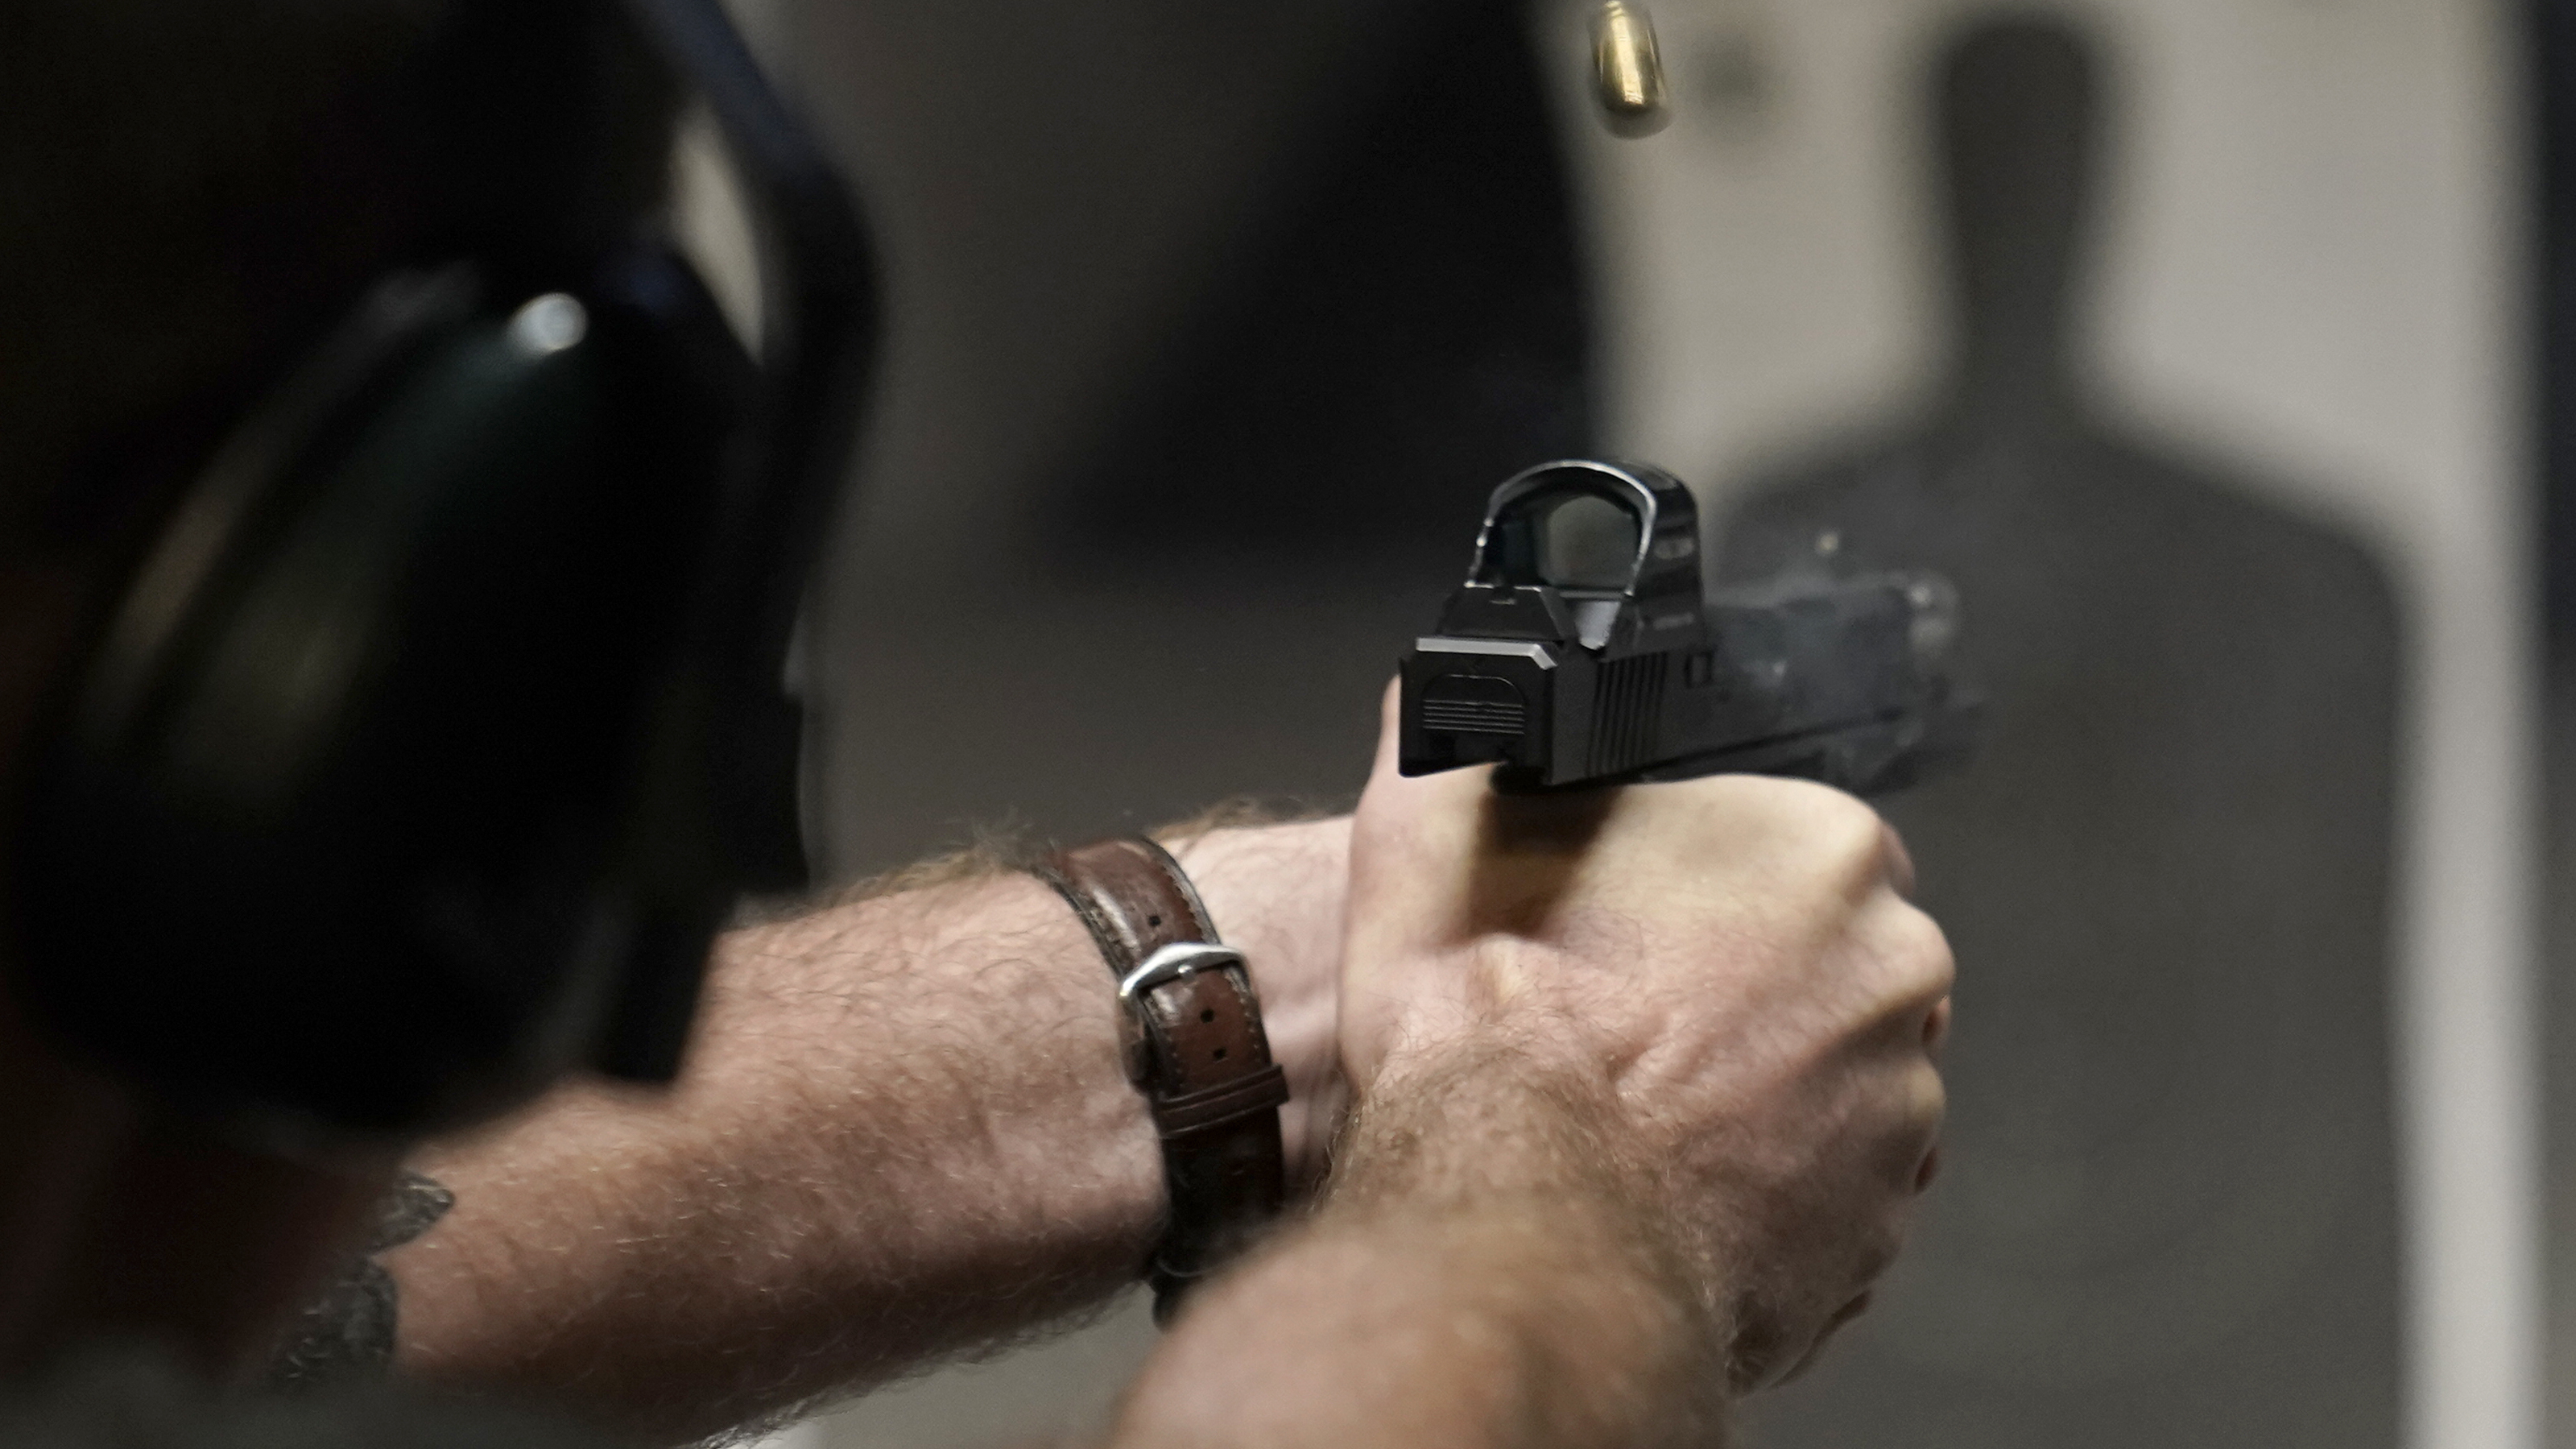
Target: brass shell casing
(1628, 71)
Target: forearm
(1483, 1274)
(902, 1130)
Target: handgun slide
(1582, 651)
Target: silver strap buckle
(1177, 962)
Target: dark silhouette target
(2168, 1211)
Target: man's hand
(1728, 963)
(1646, 1090)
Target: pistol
(1583, 651)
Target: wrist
(1275, 892)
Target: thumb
(1411, 834)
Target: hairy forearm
(1483, 1273)
(902, 1129)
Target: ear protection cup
(431, 741)
(382, 801)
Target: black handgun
(1582, 651)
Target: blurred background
(2193, 337)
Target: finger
(1930, 1169)
(1927, 1103)
(1902, 961)
(1907, 1110)
(1936, 1028)
(1386, 768)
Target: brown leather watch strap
(1194, 1046)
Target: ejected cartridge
(1628, 73)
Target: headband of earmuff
(443, 724)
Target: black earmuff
(442, 725)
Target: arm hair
(1484, 1274)
(902, 1132)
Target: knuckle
(1823, 837)
(1832, 845)
(1926, 968)
(1852, 836)
(1905, 1128)
(1909, 970)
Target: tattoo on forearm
(349, 1333)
